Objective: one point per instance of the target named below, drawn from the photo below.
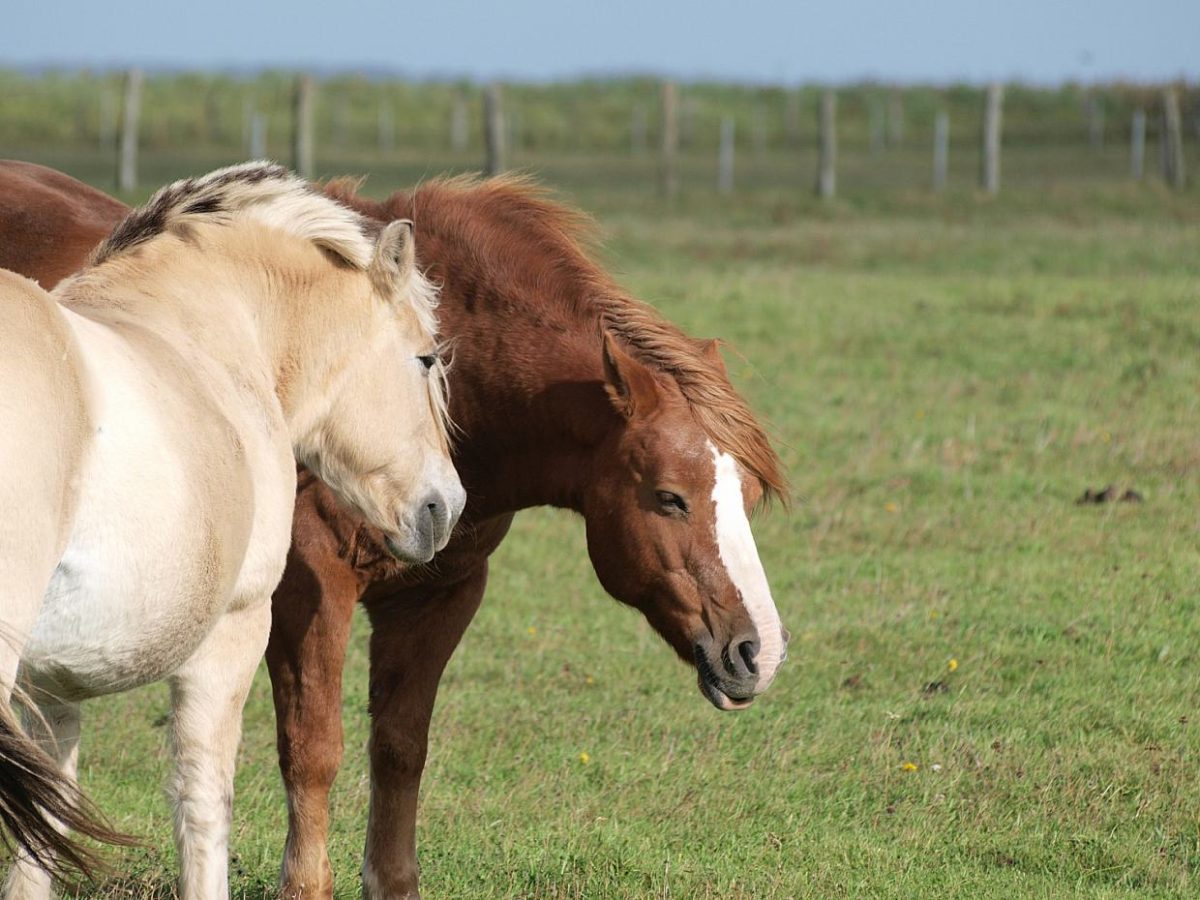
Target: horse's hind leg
(207, 696)
(55, 728)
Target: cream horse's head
(380, 438)
(351, 327)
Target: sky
(756, 41)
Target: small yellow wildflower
(585, 758)
(908, 766)
(952, 664)
(589, 680)
(532, 631)
(891, 507)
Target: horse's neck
(533, 407)
(213, 304)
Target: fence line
(1173, 166)
(827, 147)
(670, 140)
(493, 131)
(941, 149)
(1137, 145)
(302, 127)
(127, 165)
(1094, 123)
(989, 176)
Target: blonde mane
(512, 230)
(262, 191)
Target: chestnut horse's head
(667, 523)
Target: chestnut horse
(567, 392)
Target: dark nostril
(748, 650)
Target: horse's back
(49, 222)
(44, 431)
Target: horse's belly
(110, 622)
(184, 515)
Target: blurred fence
(730, 138)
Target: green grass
(946, 376)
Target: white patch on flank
(735, 544)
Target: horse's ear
(630, 384)
(395, 254)
(711, 350)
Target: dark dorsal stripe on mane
(270, 190)
(513, 208)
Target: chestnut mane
(513, 230)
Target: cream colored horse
(152, 410)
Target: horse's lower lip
(709, 686)
(720, 699)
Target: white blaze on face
(735, 543)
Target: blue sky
(745, 40)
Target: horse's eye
(429, 360)
(671, 503)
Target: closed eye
(671, 503)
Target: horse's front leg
(207, 696)
(313, 606)
(413, 637)
(55, 728)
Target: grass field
(992, 690)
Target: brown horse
(603, 408)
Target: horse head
(414, 497)
(668, 532)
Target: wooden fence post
(302, 127)
(127, 164)
(1173, 167)
(669, 180)
(258, 136)
(459, 125)
(827, 146)
(989, 174)
(725, 157)
(493, 128)
(1137, 145)
(941, 148)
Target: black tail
(36, 801)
